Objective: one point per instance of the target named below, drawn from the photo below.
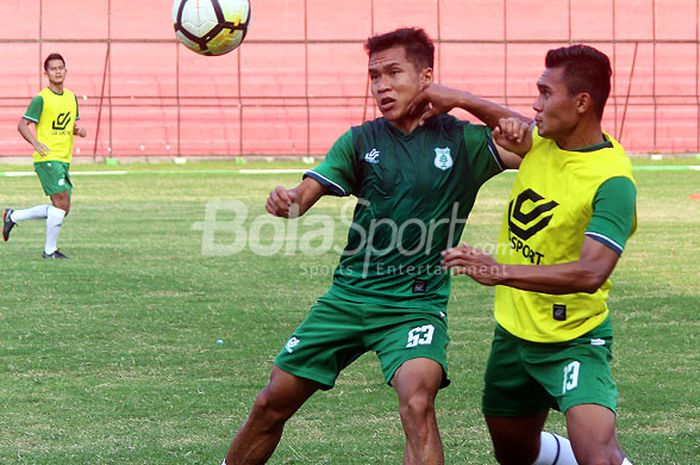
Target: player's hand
(434, 100)
(80, 132)
(282, 202)
(474, 263)
(513, 134)
(41, 149)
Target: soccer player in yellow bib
(569, 215)
(54, 112)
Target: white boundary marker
(18, 174)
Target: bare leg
(516, 440)
(591, 430)
(417, 382)
(257, 439)
(62, 201)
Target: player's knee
(266, 409)
(417, 405)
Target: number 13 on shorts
(571, 372)
(421, 335)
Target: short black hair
(53, 56)
(419, 48)
(586, 69)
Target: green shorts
(54, 177)
(523, 378)
(336, 332)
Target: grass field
(111, 357)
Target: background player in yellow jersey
(54, 112)
(570, 213)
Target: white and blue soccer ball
(211, 27)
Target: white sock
(54, 220)
(626, 462)
(555, 450)
(35, 213)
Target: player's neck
(585, 134)
(56, 88)
(405, 125)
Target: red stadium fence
(299, 80)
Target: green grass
(111, 357)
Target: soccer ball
(211, 27)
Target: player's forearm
(487, 111)
(26, 133)
(306, 194)
(565, 278)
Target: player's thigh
(418, 379)
(415, 334)
(509, 390)
(591, 430)
(284, 394)
(328, 340)
(516, 440)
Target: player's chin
(394, 114)
(542, 129)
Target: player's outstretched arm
(28, 135)
(436, 99)
(292, 203)
(586, 274)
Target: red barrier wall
(299, 80)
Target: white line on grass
(17, 174)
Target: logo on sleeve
(372, 156)
(443, 159)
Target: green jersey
(414, 193)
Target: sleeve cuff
(30, 119)
(606, 241)
(494, 152)
(335, 188)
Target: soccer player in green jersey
(416, 173)
(570, 213)
(54, 112)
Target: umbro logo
(372, 156)
(61, 122)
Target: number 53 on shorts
(420, 336)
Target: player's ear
(584, 103)
(427, 76)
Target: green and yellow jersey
(414, 193)
(559, 198)
(55, 116)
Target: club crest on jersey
(443, 159)
(372, 156)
